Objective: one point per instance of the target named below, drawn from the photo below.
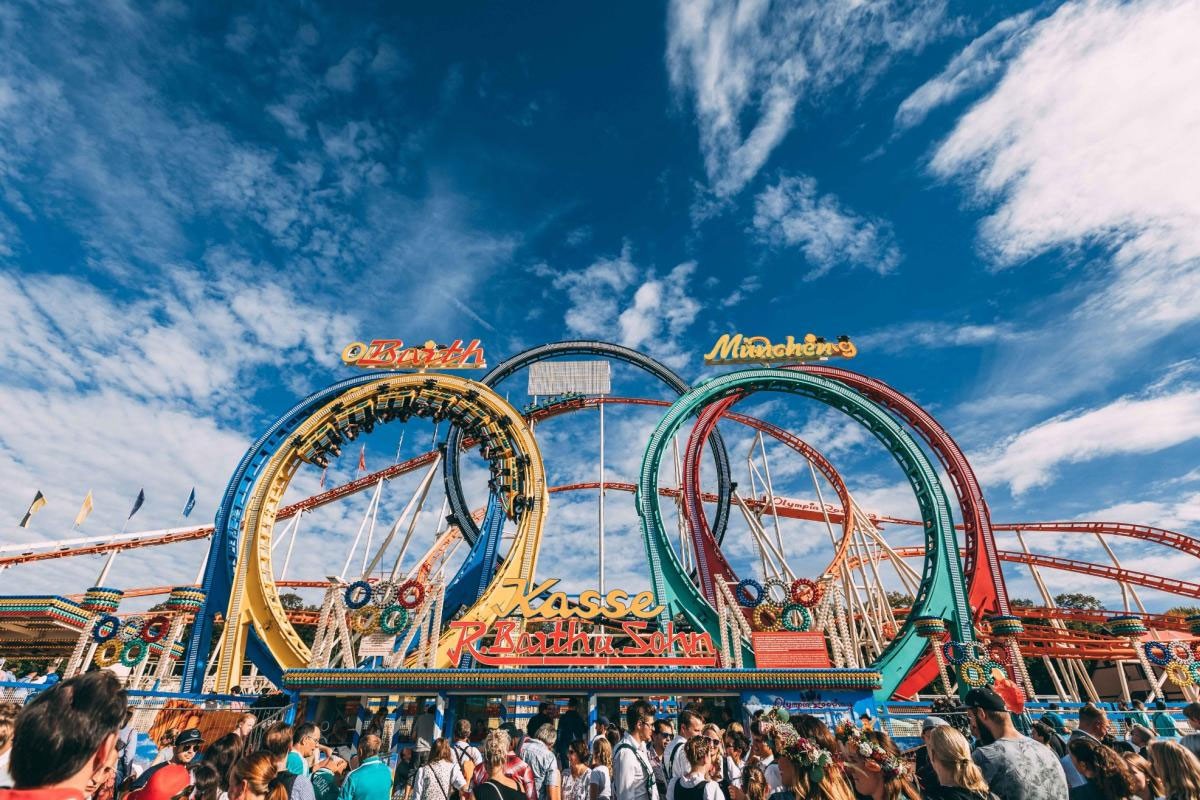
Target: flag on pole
(190, 504)
(39, 500)
(84, 510)
(323, 477)
(141, 498)
(362, 459)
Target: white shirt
(677, 753)
(633, 777)
(436, 780)
(598, 777)
(771, 773)
(463, 750)
(5, 778)
(712, 791)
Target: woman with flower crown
(874, 766)
(810, 772)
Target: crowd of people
(73, 742)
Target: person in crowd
(206, 782)
(614, 735)
(695, 784)
(126, 746)
(514, 768)
(8, 716)
(754, 785)
(440, 777)
(305, 738)
(256, 777)
(602, 726)
(538, 752)
(222, 755)
(1138, 715)
(278, 742)
(1177, 768)
(571, 728)
(1014, 766)
(1140, 737)
(734, 767)
(632, 775)
(877, 772)
(762, 755)
(809, 772)
(1164, 724)
(958, 777)
(1093, 724)
(499, 784)
(166, 747)
(576, 778)
(326, 778)
(405, 774)
(1191, 712)
(927, 777)
(64, 742)
(423, 728)
(716, 753)
(1146, 785)
(600, 779)
(664, 732)
(372, 780)
(1054, 719)
(163, 781)
(1042, 732)
(1106, 775)
(675, 758)
(479, 731)
(542, 717)
(466, 755)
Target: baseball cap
(602, 721)
(932, 722)
(189, 736)
(985, 698)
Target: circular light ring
(806, 592)
(357, 595)
(411, 594)
(1194, 671)
(1180, 674)
(365, 620)
(393, 619)
(742, 593)
(954, 652)
(131, 629)
(1181, 652)
(768, 616)
(383, 594)
(806, 620)
(109, 654)
(975, 651)
(106, 628)
(990, 665)
(973, 673)
(134, 652)
(779, 584)
(1157, 653)
(155, 628)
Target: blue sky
(200, 206)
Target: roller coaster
(957, 625)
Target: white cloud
(791, 213)
(747, 64)
(973, 68)
(1176, 515)
(1126, 426)
(931, 334)
(613, 299)
(342, 75)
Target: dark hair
(813, 729)
(580, 748)
(278, 740)
(62, 728)
(1053, 740)
(462, 728)
(1160, 704)
(687, 718)
(222, 755)
(206, 781)
(636, 711)
(739, 742)
(1110, 773)
(369, 745)
(305, 729)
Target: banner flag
(190, 504)
(84, 510)
(39, 500)
(141, 498)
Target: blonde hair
(495, 748)
(1178, 768)
(950, 749)
(697, 750)
(756, 784)
(832, 786)
(602, 753)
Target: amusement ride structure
(485, 623)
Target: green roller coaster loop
(942, 591)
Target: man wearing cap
(164, 781)
(931, 787)
(1014, 766)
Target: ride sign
(738, 349)
(392, 354)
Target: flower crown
(805, 753)
(851, 736)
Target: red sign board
(788, 649)
(570, 644)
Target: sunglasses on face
(187, 748)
